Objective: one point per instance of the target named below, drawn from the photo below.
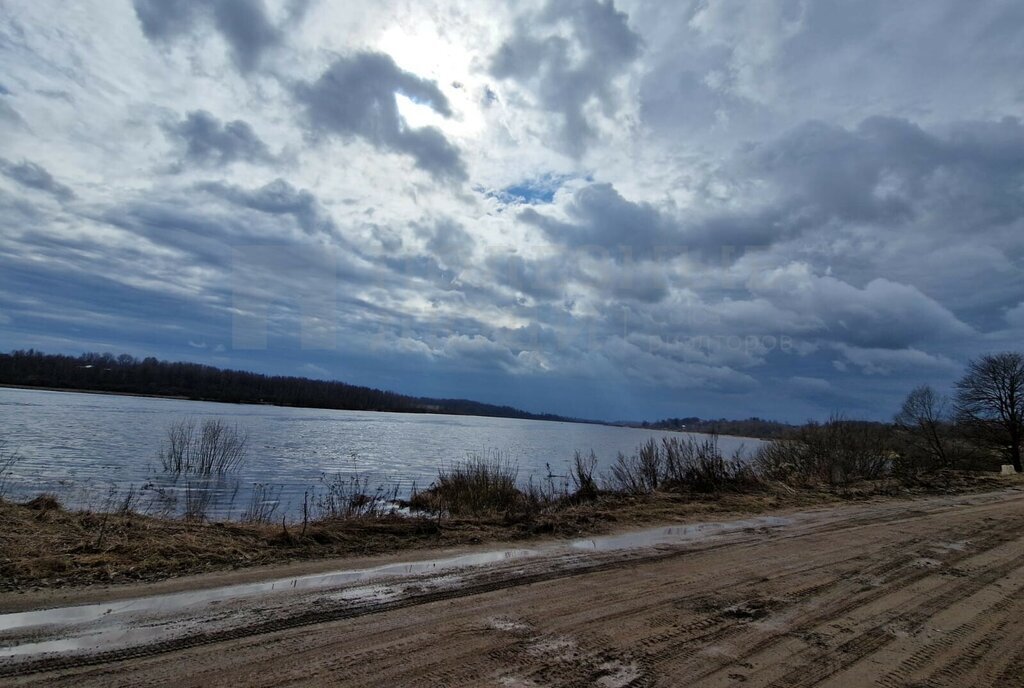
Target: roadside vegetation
(934, 444)
(8, 460)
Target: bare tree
(924, 421)
(990, 402)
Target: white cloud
(653, 194)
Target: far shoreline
(424, 412)
(73, 390)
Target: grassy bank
(482, 499)
(43, 545)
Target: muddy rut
(928, 592)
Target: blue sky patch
(534, 191)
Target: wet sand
(897, 593)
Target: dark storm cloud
(859, 201)
(448, 240)
(356, 97)
(289, 248)
(205, 140)
(601, 217)
(601, 220)
(886, 174)
(541, 278)
(167, 19)
(628, 282)
(821, 204)
(243, 24)
(889, 170)
(34, 176)
(561, 82)
(207, 222)
(277, 198)
(297, 247)
(95, 302)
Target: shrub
(698, 464)
(199, 496)
(639, 473)
(582, 475)
(479, 485)
(688, 463)
(264, 501)
(44, 502)
(8, 459)
(212, 448)
(350, 497)
(836, 452)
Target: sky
(612, 210)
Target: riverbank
(43, 546)
(895, 592)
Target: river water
(93, 450)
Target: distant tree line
(979, 426)
(126, 374)
(750, 427)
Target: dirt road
(927, 592)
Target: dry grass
(43, 545)
(477, 486)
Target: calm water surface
(90, 449)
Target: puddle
(673, 535)
(107, 638)
(184, 600)
(116, 624)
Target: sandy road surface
(927, 592)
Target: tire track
(891, 568)
(969, 656)
(825, 664)
(702, 630)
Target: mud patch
(509, 625)
(616, 674)
(751, 610)
(561, 649)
